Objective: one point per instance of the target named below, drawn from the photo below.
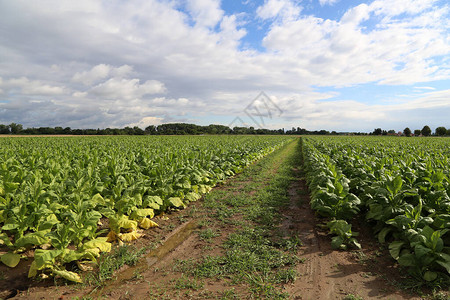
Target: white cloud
(31, 87)
(96, 73)
(206, 13)
(284, 9)
(327, 2)
(147, 121)
(127, 88)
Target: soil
(325, 273)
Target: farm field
(95, 201)
(400, 186)
(56, 193)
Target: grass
(254, 254)
(352, 297)
(208, 234)
(109, 263)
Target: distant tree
(4, 129)
(417, 132)
(151, 129)
(15, 128)
(448, 132)
(441, 131)
(377, 131)
(407, 131)
(426, 131)
(138, 131)
(391, 131)
(384, 132)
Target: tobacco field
(67, 199)
(399, 186)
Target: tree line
(425, 131)
(163, 129)
(193, 129)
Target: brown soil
(324, 274)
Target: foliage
(55, 193)
(402, 186)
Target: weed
(123, 255)
(352, 297)
(207, 234)
(187, 283)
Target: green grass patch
(109, 263)
(254, 254)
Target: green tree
(377, 131)
(15, 128)
(4, 129)
(407, 131)
(417, 132)
(441, 131)
(426, 131)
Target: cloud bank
(95, 64)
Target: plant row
(400, 186)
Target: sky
(339, 65)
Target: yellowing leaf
(111, 237)
(10, 259)
(130, 236)
(176, 201)
(126, 223)
(71, 276)
(101, 243)
(146, 223)
(85, 266)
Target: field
(400, 186)
(80, 209)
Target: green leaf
(4, 240)
(397, 184)
(34, 238)
(97, 199)
(444, 261)
(44, 258)
(33, 270)
(192, 196)
(407, 260)
(10, 226)
(10, 259)
(382, 234)
(337, 242)
(395, 248)
(152, 202)
(421, 250)
(142, 213)
(430, 276)
(71, 276)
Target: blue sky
(327, 64)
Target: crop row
(400, 186)
(69, 198)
